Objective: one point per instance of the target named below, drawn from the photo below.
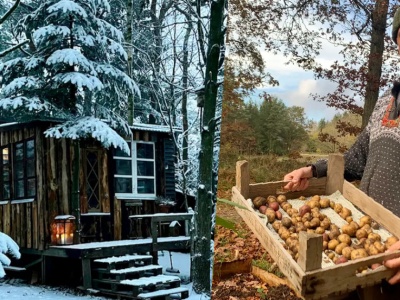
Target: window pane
(6, 175)
(30, 168)
(19, 188)
(6, 190)
(123, 185)
(145, 150)
(123, 167)
(19, 151)
(31, 187)
(5, 156)
(145, 168)
(145, 186)
(19, 170)
(30, 149)
(119, 152)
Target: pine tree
(73, 72)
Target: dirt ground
(241, 245)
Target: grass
(263, 168)
(268, 266)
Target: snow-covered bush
(7, 246)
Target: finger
(395, 246)
(288, 186)
(393, 263)
(303, 184)
(395, 279)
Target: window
(135, 174)
(18, 164)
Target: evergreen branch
(11, 49)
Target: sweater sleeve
(354, 160)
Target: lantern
(65, 229)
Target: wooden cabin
(43, 186)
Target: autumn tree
(297, 29)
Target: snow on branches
(74, 64)
(7, 247)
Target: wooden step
(151, 283)
(136, 286)
(127, 273)
(122, 262)
(165, 293)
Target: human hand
(298, 179)
(394, 263)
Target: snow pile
(7, 246)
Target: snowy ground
(18, 290)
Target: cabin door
(95, 216)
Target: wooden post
(86, 273)
(154, 235)
(335, 176)
(243, 177)
(310, 251)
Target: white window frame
(134, 177)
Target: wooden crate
(307, 276)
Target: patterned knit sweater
(375, 156)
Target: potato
(259, 201)
(307, 224)
(281, 199)
(270, 213)
(367, 243)
(332, 204)
(331, 255)
(313, 204)
(315, 198)
(324, 245)
(314, 223)
(286, 205)
(309, 230)
(304, 209)
(358, 253)
(338, 207)
(325, 237)
(292, 211)
(361, 233)
(344, 213)
(274, 205)
(374, 236)
(334, 233)
(322, 216)
(346, 252)
(276, 225)
(286, 222)
(300, 227)
(262, 209)
(359, 244)
(344, 238)
(339, 248)
(324, 203)
(271, 199)
(349, 219)
(325, 223)
(367, 228)
(380, 247)
(320, 230)
(332, 244)
(375, 225)
(365, 220)
(349, 229)
(278, 215)
(340, 260)
(390, 241)
(306, 217)
(355, 225)
(372, 250)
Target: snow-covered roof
(154, 127)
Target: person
(374, 158)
